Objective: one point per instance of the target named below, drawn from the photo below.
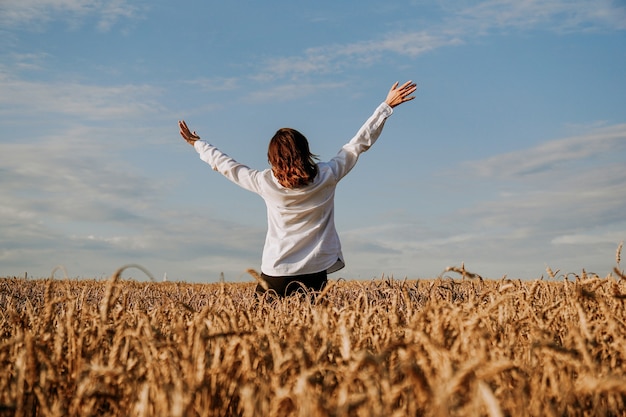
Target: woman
(301, 246)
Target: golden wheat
(441, 347)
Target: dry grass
(442, 347)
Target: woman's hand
(190, 137)
(398, 95)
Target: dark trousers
(284, 286)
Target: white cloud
(555, 202)
(29, 14)
(466, 23)
(28, 61)
(114, 10)
(285, 92)
(215, 84)
(74, 199)
(562, 202)
(611, 237)
(334, 58)
(555, 15)
(554, 154)
(20, 97)
(73, 176)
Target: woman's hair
(292, 162)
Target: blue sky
(510, 159)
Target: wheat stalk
(440, 347)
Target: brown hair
(292, 162)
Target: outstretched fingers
(407, 89)
(182, 127)
(398, 95)
(405, 85)
(189, 136)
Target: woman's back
(301, 234)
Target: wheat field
(457, 345)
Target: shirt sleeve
(347, 157)
(238, 173)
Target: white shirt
(301, 236)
